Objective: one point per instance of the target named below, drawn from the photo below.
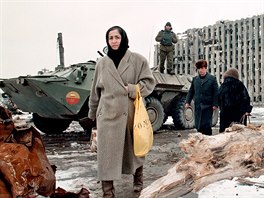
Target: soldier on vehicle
(204, 91)
(167, 39)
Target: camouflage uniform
(167, 38)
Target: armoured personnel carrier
(57, 98)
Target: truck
(56, 98)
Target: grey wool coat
(113, 108)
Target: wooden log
(239, 152)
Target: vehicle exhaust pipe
(61, 51)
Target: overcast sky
(29, 28)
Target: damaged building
(225, 44)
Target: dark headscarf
(117, 55)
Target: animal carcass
(24, 167)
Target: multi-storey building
(226, 44)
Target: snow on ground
(257, 116)
(233, 189)
(221, 189)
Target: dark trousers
(206, 131)
(166, 52)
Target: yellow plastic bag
(143, 132)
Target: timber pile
(239, 152)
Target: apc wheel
(183, 118)
(156, 113)
(50, 125)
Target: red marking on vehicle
(72, 98)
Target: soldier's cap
(168, 24)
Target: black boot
(171, 71)
(108, 189)
(138, 179)
(161, 69)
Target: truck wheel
(183, 118)
(156, 113)
(215, 117)
(50, 125)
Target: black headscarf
(117, 55)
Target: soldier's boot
(138, 179)
(161, 69)
(108, 189)
(171, 71)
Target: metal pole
(61, 50)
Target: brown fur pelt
(24, 166)
(61, 193)
(6, 124)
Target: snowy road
(76, 164)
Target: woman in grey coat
(111, 104)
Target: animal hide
(24, 166)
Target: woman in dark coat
(234, 100)
(204, 91)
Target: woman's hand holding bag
(143, 132)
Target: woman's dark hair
(201, 63)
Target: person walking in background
(167, 38)
(234, 100)
(111, 104)
(204, 91)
